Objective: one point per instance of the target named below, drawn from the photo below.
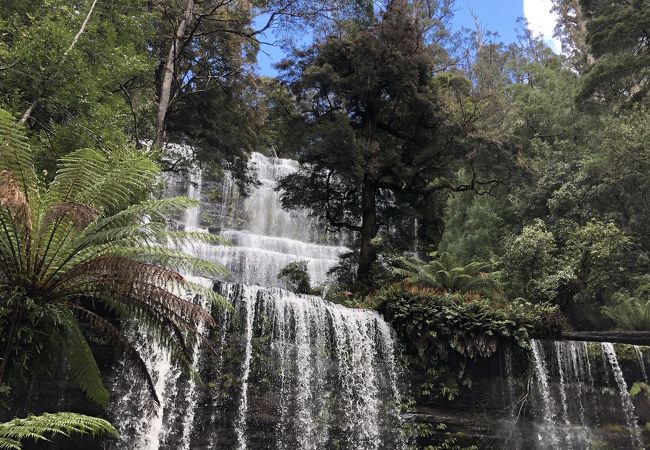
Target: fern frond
(214, 298)
(120, 343)
(630, 314)
(10, 248)
(129, 177)
(15, 154)
(81, 215)
(149, 208)
(173, 259)
(10, 444)
(38, 428)
(191, 237)
(78, 172)
(81, 360)
(14, 200)
(443, 274)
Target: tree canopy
(382, 124)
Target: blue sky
(494, 15)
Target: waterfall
(292, 371)
(541, 375)
(639, 356)
(563, 395)
(188, 420)
(566, 377)
(512, 429)
(191, 215)
(626, 400)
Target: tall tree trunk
(582, 26)
(367, 253)
(168, 74)
(622, 337)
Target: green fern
(92, 242)
(38, 428)
(630, 314)
(443, 274)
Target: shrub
(295, 277)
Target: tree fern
(443, 274)
(90, 248)
(630, 314)
(82, 361)
(38, 428)
(15, 154)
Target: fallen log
(619, 337)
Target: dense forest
(478, 195)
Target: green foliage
(475, 226)
(617, 35)
(87, 251)
(38, 428)
(639, 388)
(629, 314)
(295, 276)
(581, 271)
(528, 257)
(442, 332)
(78, 93)
(381, 126)
(442, 273)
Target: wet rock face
(295, 372)
(290, 371)
(580, 404)
(478, 416)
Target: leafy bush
(472, 324)
(295, 277)
(442, 331)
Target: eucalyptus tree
(207, 88)
(382, 115)
(571, 29)
(617, 33)
(85, 254)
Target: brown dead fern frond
(419, 288)
(81, 215)
(152, 296)
(185, 309)
(123, 267)
(12, 198)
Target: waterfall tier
(290, 371)
(580, 395)
(296, 372)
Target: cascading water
(548, 432)
(514, 437)
(626, 400)
(639, 355)
(291, 371)
(576, 401)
